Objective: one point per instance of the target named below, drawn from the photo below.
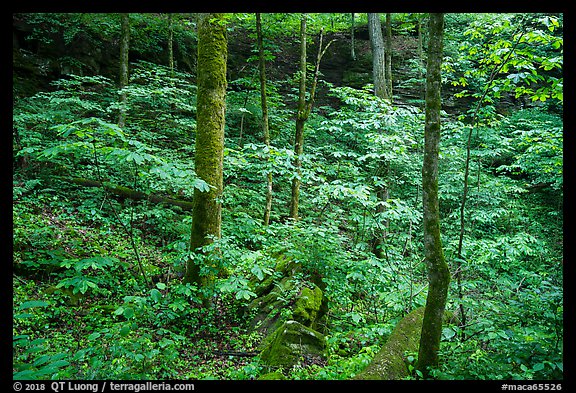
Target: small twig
(130, 233)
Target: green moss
(275, 375)
(208, 159)
(73, 299)
(308, 306)
(390, 363)
(269, 306)
(291, 341)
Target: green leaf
(41, 360)
(448, 333)
(128, 312)
(33, 303)
(124, 330)
(538, 367)
(257, 271)
(58, 364)
(119, 311)
(201, 185)
(356, 317)
(135, 157)
(94, 336)
(244, 294)
(161, 286)
(156, 295)
(25, 375)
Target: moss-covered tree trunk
(378, 55)
(123, 77)
(208, 159)
(438, 273)
(301, 117)
(264, 105)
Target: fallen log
(125, 192)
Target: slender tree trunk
(265, 128)
(300, 120)
(438, 273)
(388, 57)
(420, 50)
(241, 133)
(304, 109)
(475, 121)
(171, 44)
(381, 89)
(123, 78)
(378, 55)
(208, 159)
(382, 195)
(353, 45)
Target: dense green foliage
(97, 289)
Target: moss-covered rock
(275, 375)
(287, 291)
(390, 362)
(267, 308)
(72, 299)
(308, 306)
(290, 342)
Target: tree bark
(378, 55)
(382, 195)
(264, 105)
(304, 109)
(171, 44)
(388, 56)
(381, 65)
(123, 78)
(353, 44)
(420, 50)
(438, 273)
(208, 159)
(300, 120)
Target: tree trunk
(378, 247)
(438, 273)
(382, 89)
(300, 120)
(420, 51)
(123, 78)
(388, 56)
(304, 109)
(352, 44)
(378, 55)
(263, 101)
(171, 44)
(208, 159)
